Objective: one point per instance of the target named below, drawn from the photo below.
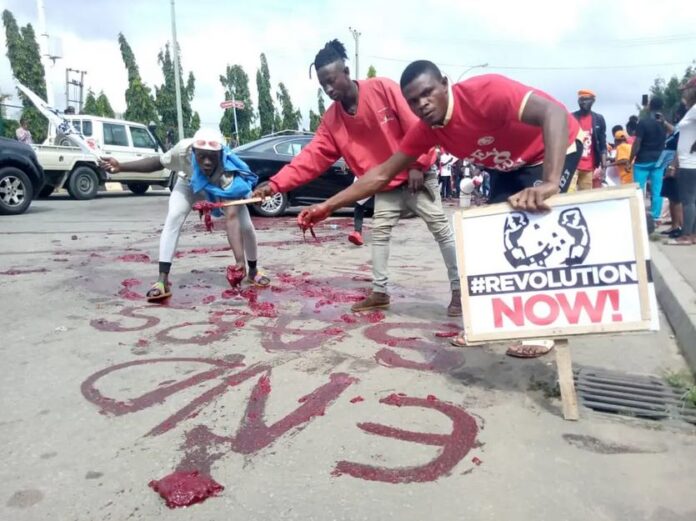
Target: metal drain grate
(631, 395)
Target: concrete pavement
(298, 408)
(675, 284)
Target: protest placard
(581, 268)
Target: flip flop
(530, 348)
(259, 280)
(460, 341)
(164, 293)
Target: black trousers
(505, 184)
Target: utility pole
(356, 36)
(44, 49)
(177, 82)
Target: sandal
(530, 348)
(259, 280)
(679, 242)
(460, 341)
(163, 292)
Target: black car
(266, 156)
(21, 176)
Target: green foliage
(8, 128)
(290, 117)
(25, 61)
(140, 106)
(90, 106)
(104, 107)
(371, 72)
(236, 82)
(669, 91)
(97, 105)
(165, 95)
(320, 102)
(314, 118)
(267, 114)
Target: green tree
(290, 117)
(140, 106)
(104, 107)
(266, 108)
(236, 82)
(97, 105)
(25, 61)
(371, 72)
(165, 95)
(669, 91)
(314, 118)
(90, 106)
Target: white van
(66, 166)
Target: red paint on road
(183, 489)
(134, 257)
(455, 445)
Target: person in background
(23, 134)
(631, 127)
(445, 162)
(646, 151)
(623, 156)
(355, 236)
(670, 187)
(686, 165)
(594, 154)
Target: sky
(616, 48)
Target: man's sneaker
(372, 301)
(455, 306)
(676, 233)
(356, 238)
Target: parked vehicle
(21, 176)
(266, 156)
(67, 166)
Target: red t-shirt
(364, 140)
(485, 127)
(587, 159)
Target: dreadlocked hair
(331, 52)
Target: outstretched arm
(145, 165)
(365, 186)
(553, 120)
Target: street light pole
(177, 82)
(480, 66)
(356, 36)
(45, 52)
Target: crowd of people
(414, 144)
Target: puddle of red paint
(446, 334)
(357, 399)
(126, 291)
(209, 299)
(182, 489)
(134, 257)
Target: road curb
(678, 301)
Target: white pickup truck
(66, 166)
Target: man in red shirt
(523, 137)
(365, 125)
(594, 141)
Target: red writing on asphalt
(544, 309)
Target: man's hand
(533, 199)
(312, 215)
(110, 164)
(264, 191)
(415, 180)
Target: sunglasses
(202, 143)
